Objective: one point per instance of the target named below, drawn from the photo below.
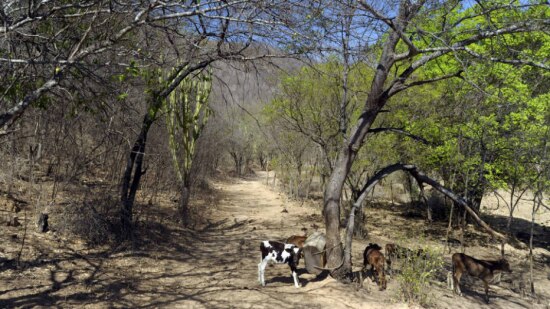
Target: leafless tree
(43, 43)
(45, 46)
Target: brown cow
(375, 259)
(481, 269)
(297, 240)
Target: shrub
(416, 273)
(84, 221)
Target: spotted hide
(278, 253)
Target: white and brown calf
(279, 253)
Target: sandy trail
(214, 266)
(249, 213)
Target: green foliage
(123, 96)
(310, 99)
(308, 107)
(484, 129)
(416, 274)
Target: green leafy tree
(413, 41)
(475, 125)
(309, 104)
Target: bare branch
(436, 52)
(16, 111)
(422, 178)
(430, 54)
(508, 61)
(398, 87)
(400, 25)
(37, 17)
(7, 117)
(83, 38)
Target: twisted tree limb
(421, 178)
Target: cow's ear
(288, 250)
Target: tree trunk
(426, 203)
(462, 229)
(312, 174)
(267, 173)
(333, 192)
(130, 185)
(475, 197)
(183, 207)
(359, 214)
(532, 285)
(347, 262)
(238, 160)
(376, 100)
(262, 160)
(360, 230)
(391, 193)
(537, 201)
(450, 225)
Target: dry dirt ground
(215, 265)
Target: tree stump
(42, 223)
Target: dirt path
(214, 266)
(228, 254)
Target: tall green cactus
(187, 112)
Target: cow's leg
(261, 272)
(486, 290)
(382, 279)
(456, 282)
(295, 277)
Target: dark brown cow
(481, 269)
(375, 259)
